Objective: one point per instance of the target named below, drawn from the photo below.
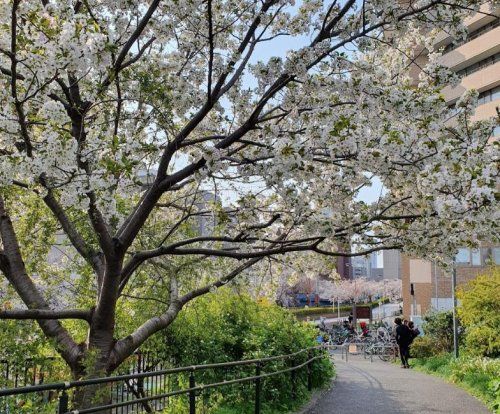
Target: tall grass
(480, 376)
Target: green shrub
(424, 347)
(478, 375)
(439, 327)
(494, 389)
(325, 310)
(225, 326)
(479, 312)
(26, 354)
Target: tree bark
(92, 395)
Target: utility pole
(414, 301)
(436, 289)
(455, 322)
(383, 298)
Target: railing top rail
(198, 388)
(94, 381)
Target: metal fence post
(257, 388)
(294, 382)
(192, 394)
(309, 372)
(63, 403)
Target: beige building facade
(476, 60)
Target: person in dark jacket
(413, 330)
(403, 339)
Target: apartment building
(477, 61)
(392, 264)
(377, 265)
(427, 287)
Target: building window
(490, 60)
(476, 257)
(472, 35)
(496, 255)
(471, 257)
(462, 256)
(489, 96)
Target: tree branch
(128, 232)
(126, 346)
(128, 45)
(40, 314)
(13, 267)
(75, 238)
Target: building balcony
(473, 22)
(482, 80)
(487, 110)
(473, 51)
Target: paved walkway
(379, 387)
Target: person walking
(403, 339)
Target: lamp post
(350, 276)
(455, 322)
(436, 287)
(381, 302)
(354, 310)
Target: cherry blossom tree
(393, 289)
(117, 118)
(361, 289)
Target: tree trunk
(97, 362)
(95, 365)
(354, 315)
(92, 395)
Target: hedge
(329, 310)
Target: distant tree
(393, 289)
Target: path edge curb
(315, 397)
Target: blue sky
(279, 47)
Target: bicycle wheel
(386, 354)
(368, 351)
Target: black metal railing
(192, 391)
(36, 371)
(26, 372)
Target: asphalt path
(364, 387)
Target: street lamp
(454, 298)
(383, 298)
